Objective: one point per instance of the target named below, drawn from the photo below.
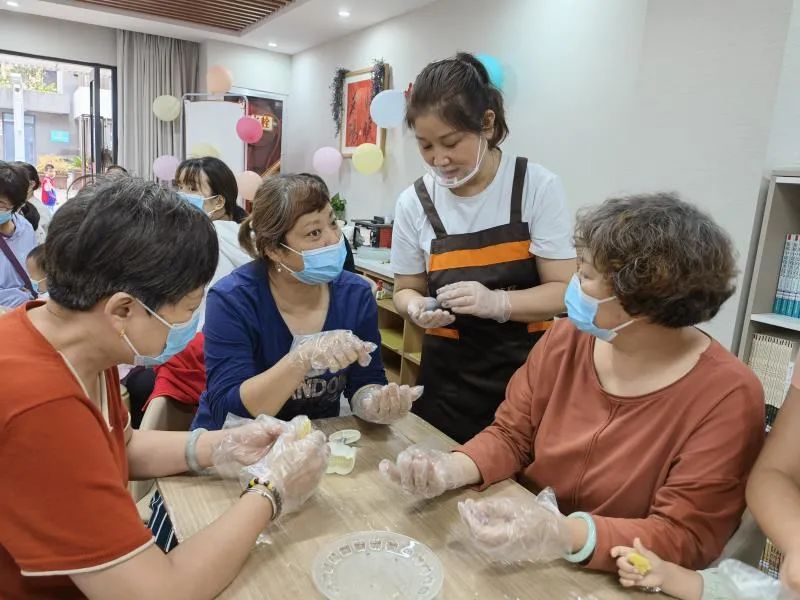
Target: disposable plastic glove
(332, 351)
(514, 530)
(247, 442)
(425, 312)
(473, 298)
(423, 471)
(294, 466)
(384, 404)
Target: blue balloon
(494, 68)
(388, 109)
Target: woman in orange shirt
(644, 426)
(126, 264)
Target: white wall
(618, 96)
(784, 142)
(54, 38)
(252, 68)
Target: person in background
(481, 247)
(44, 215)
(70, 527)
(628, 379)
(49, 196)
(17, 237)
(35, 265)
(773, 490)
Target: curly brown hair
(665, 259)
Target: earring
(122, 333)
(279, 269)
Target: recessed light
(12, 3)
(344, 13)
(272, 45)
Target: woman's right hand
(294, 466)
(333, 351)
(423, 471)
(425, 312)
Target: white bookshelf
(781, 216)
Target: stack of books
(787, 298)
(772, 359)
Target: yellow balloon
(166, 107)
(201, 150)
(367, 159)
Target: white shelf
(777, 320)
(790, 180)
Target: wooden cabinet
(401, 340)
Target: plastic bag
(748, 583)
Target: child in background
(49, 197)
(639, 567)
(35, 265)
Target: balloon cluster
(168, 108)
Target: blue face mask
(322, 265)
(180, 334)
(582, 311)
(35, 283)
(5, 217)
(195, 200)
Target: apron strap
(429, 208)
(520, 170)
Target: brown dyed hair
(458, 89)
(665, 259)
(277, 205)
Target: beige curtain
(149, 66)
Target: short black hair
(49, 166)
(220, 178)
(459, 90)
(13, 185)
(128, 235)
(119, 168)
(30, 172)
(37, 255)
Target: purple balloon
(327, 160)
(164, 167)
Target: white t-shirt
(543, 208)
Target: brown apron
(467, 365)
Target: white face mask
(453, 182)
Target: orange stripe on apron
(444, 332)
(481, 257)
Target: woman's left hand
(512, 531)
(385, 405)
(247, 444)
(474, 298)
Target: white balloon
(388, 109)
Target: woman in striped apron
(481, 250)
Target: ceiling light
(344, 13)
(272, 45)
(12, 3)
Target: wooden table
(364, 501)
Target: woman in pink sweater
(643, 425)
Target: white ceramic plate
(377, 565)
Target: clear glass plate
(377, 565)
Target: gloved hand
(333, 351)
(510, 530)
(426, 313)
(294, 466)
(473, 298)
(384, 404)
(246, 442)
(423, 471)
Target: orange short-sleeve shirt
(63, 471)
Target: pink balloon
(249, 130)
(327, 160)
(219, 80)
(249, 182)
(164, 167)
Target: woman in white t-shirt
(481, 250)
